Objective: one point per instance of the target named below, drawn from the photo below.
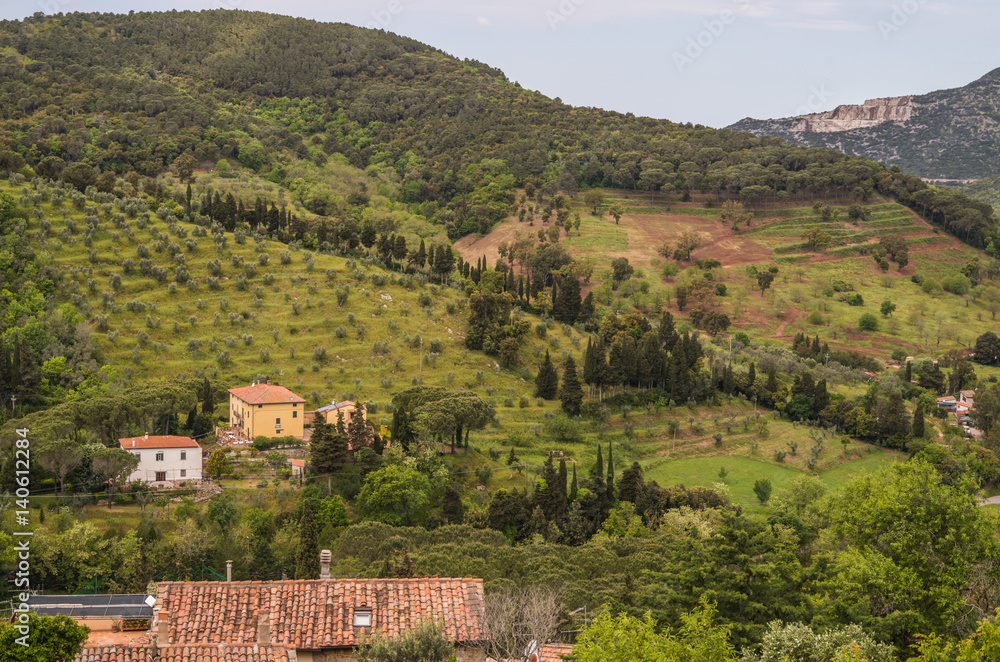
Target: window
(161, 476)
(138, 455)
(184, 455)
(277, 421)
(260, 406)
(362, 618)
(159, 457)
(184, 473)
(295, 414)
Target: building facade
(265, 410)
(164, 458)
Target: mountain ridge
(951, 134)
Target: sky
(709, 62)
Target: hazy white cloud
(836, 25)
(482, 20)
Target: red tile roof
(214, 653)
(317, 614)
(297, 462)
(158, 441)
(265, 394)
(554, 652)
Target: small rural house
(316, 620)
(967, 398)
(332, 410)
(298, 467)
(265, 410)
(164, 458)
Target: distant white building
(164, 459)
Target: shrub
(868, 322)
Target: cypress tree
(572, 393)
(307, 561)
(598, 470)
(587, 308)
(727, 379)
(588, 363)
(192, 415)
(752, 374)
(667, 333)
(908, 375)
(561, 485)
(265, 565)
(772, 381)
(572, 487)
(556, 302)
(917, 428)
(611, 473)
(547, 380)
(821, 397)
(341, 426)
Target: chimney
(264, 628)
(324, 564)
(162, 632)
(269, 382)
(147, 436)
(229, 571)
(133, 443)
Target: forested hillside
(610, 364)
(100, 93)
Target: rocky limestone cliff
(845, 118)
(948, 135)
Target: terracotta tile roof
(214, 653)
(554, 652)
(265, 394)
(317, 614)
(158, 441)
(297, 462)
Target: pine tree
(547, 380)
(307, 559)
(572, 393)
(917, 427)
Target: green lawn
(742, 472)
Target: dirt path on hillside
(793, 314)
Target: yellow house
(265, 410)
(332, 410)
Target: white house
(164, 458)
